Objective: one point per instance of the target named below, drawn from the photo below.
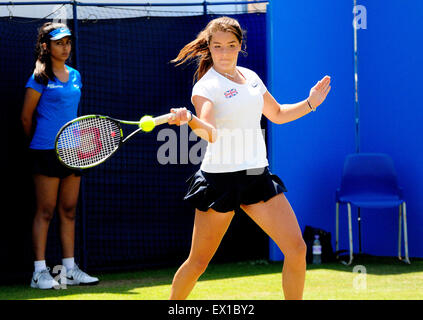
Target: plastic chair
(369, 180)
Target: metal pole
(83, 229)
(134, 4)
(75, 33)
(357, 107)
(357, 114)
(205, 7)
(31, 3)
(359, 231)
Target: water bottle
(317, 250)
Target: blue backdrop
(308, 40)
(391, 65)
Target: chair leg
(360, 251)
(399, 231)
(350, 235)
(337, 228)
(404, 216)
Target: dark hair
(43, 71)
(199, 48)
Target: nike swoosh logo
(35, 280)
(69, 278)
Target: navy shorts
(226, 191)
(46, 163)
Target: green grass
(385, 279)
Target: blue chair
(369, 180)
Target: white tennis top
(238, 110)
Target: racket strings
(88, 141)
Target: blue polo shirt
(58, 104)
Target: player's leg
(209, 229)
(68, 200)
(67, 203)
(278, 220)
(46, 196)
(46, 189)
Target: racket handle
(163, 118)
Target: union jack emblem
(231, 93)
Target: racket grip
(163, 118)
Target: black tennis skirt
(226, 191)
(46, 163)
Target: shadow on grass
(124, 284)
(374, 265)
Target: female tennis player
(229, 101)
(52, 97)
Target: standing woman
(229, 101)
(51, 99)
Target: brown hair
(43, 71)
(198, 49)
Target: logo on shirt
(254, 84)
(52, 86)
(230, 93)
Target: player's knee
(302, 248)
(199, 265)
(298, 250)
(68, 211)
(46, 212)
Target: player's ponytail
(198, 49)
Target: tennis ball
(147, 123)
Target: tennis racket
(90, 140)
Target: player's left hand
(181, 116)
(319, 92)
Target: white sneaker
(76, 276)
(43, 280)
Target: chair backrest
(369, 173)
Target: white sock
(68, 263)
(40, 265)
